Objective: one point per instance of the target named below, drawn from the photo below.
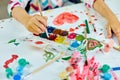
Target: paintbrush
(85, 34)
(40, 10)
(117, 48)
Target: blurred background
(113, 4)
(3, 9)
(4, 3)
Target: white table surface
(11, 29)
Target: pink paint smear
(65, 17)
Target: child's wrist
(111, 16)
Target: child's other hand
(113, 26)
(37, 24)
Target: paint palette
(71, 40)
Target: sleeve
(14, 3)
(89, 3)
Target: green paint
(9, 72)
(99, 45)
(12, 41)
(80, 37)
(66, 58)
(16, 44)
(69, 48)
(83, 51)
(22, 62)
(105, 68)
(87, 27)
(49, 55)
(43, 35)
(79, 26)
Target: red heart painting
(65, 17)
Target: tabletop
(20, 47)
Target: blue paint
(116, 68)
(17, 77)
(106, 76)
(20, 70)
(75, 44)
(50, 29)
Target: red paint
(76, 27)
(82, 25)
(38, 42)
(52, 36)
(86, 13)
(5, 66)
(100, 33)
(90, 71)
(90, 22)
(30, 40)
(95, 19)
(71, 29)
(81, 12)
(71, 36)
(10, 61)
(14, 56)
(65, 17)
(92, 15)
(94, 28)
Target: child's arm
(35, 24)
(113, 22)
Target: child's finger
(42, 20)
(39, 25)
(118, 36)
(35, 29)
(109, 32)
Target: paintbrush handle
(117, 48)
(40, 10)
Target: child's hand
(113, 26)
(36, 24)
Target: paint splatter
(39, 42)
(12, 41)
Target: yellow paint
(59, 39)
